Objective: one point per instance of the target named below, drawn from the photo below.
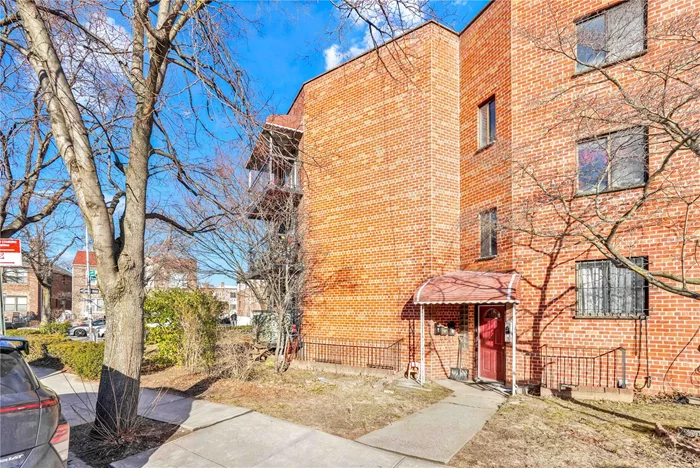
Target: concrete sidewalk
(257, 440)
(438, 432)
(223, 435)
(78, 398)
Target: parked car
(84, 329)
(34, 433)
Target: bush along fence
(83, 358)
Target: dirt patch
(530, 431)
(146, 435)
(347, 406)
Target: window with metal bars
(605, 290)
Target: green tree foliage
(182, 323)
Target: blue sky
(289, 47)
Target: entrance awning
(469, 287)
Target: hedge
(55, 328)
(83, 358)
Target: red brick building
(22, 294)
(408, 192)
(162, 272)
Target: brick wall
(394, 183)
(381, 199)
(667, 343)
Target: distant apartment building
(240, 301)
(23, 299)
(408, 174)
(162, 272)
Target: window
(487, 123)
(94, 307)
(178, 280)
(614, 161)
(489, 222)
(14, 276)
(605, 290)
(233, 295)
(15, 303)
(611, 35)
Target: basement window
(611, 35)
(605, 290)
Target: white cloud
(333, 56)
(398, 17)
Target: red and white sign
(10, 252)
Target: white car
(84, 330)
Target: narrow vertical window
(487, 123)
(489, 241)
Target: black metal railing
(375, 354)
(562, 367)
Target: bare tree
(644, 105)
(34, 182)
(47, 240)
(126, 85)
(258, 239)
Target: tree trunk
(46, 316)
(118, 395)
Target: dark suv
(33, 432)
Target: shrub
(84, 358)
(23, 332)
(55, 328)
(186, 326)
(38, 344)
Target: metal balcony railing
(284, 176)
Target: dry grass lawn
(535, 432)
(347, 406)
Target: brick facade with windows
(22, 294)
(397, 178)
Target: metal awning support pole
(514, 338)
(422, 344)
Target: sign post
(10, 255)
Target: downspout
(422, 344)
(513, 340)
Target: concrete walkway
(223, 435)
(438, 432)
(78, 400)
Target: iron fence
(375, 354)
(562, 367)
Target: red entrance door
(492, 354)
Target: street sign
(10, 252)
(89, 291)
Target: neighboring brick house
(405, 183)
(169, 271)
(162, 272)
(239, 299)
(22, 294)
